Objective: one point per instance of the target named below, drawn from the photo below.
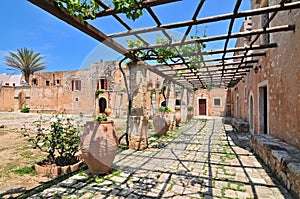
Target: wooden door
(202, 106)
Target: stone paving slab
(200, 161)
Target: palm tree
(25, 61)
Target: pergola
(223, 69)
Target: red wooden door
(202, 106)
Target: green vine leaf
(132, 8)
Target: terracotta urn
(161, 123)
(177, 115)
(99, 145)
(107, 111)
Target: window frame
(220, 100)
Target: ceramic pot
(99, 145)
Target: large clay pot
(107, 111)
(161, 123)
(177, 115)
(99, 145)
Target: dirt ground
(16, 153)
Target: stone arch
(102, 104)
(163, 103)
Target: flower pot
(99, 145)
(55, 170)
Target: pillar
(138, 120)
(171, 101)
(183, 107)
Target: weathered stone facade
(268, 100)
(74, 92)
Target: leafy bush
(190, 108)
(100, 118)
(58, 136)
(164, 109)
(25, 110)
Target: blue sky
(66, 48)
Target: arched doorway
(177, 102)
(102, 104)
(251, 116)
(163, 103)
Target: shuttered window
(76, 85)
(102, 84)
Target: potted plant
(59, 138)
(99, 144)
(162, 121)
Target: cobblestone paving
(199, 161)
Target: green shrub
(58, 136)
(97, 92)
(164, 109)
(25, 110)
(100, 118)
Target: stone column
(138, 121)
(190, 101)
(171, 101)
(153, 104)
(171, 96)
(183, 105)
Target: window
(217, 101)
(14, 84)
(47, 83)
(34, 82)
(102, 84)
(6, 84)
(76, 85)
(57, 82)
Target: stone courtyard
(203, 159)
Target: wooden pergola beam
(51, 7)
(253, 12)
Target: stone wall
(279, 73)
(7, 98)
(281, 158)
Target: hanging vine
(170, 53)
(133, 9)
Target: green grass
(25, 170)
(3, 149)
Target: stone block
(281, 158)
(240, 125)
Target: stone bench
(240, 125)
(46, 111)
(281, 158)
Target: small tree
(59, 137)
(25, 61)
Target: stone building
(75, 92)
(267, 97)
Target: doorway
(263, 108)
(102, 104)
(251, 114)
(202, 106)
